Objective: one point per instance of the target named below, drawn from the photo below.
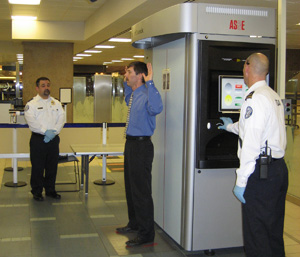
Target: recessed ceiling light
(84, 55)
(116, 61)
(24, 18)
(138, 56)
(107, 63)
(92, 51)
(298, 24)
(127, 59)
(104, 46)
(120, 40)
(77, 57)
(31, 2)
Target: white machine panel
(236, 20)
(168, 138)
(217, 213)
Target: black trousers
(138, 185)
(263, 213)
(44, 159)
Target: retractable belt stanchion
(15, 168)
(104, 181)
(13, 119)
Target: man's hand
(239, 193)
(150, 73)
(46, 139)
(226, 122)
(49, 135)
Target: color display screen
(232, 90)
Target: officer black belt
(275, 159)
(138, 138)
(37, 134)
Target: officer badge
(52, 102)
(249, 112)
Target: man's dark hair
(139, 67)
(39, 79)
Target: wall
(52, 60)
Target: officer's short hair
(39, 79)
(139, 67)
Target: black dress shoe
(53, 195)
(38, 197)
(138, 241)
(125, 230)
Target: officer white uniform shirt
(43, 114)
(261, 118)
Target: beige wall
(52, 60)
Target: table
(87, 150)
(14, 157)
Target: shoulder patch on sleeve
(26, 108)
(249, 112)
(249, 96)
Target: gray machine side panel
(168, 139)
(217, 213)
(102, 98)
(79, 92)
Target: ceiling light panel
(93, 51)
(24, 18)
(122, 40)
(104, 46)
(27, 2)
(84, 55)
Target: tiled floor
(85, 226)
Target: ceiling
(103, 19)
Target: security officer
(45, 117)
(262, 178)
(144, 103)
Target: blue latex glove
(239, 193)
(46, 139)
(226, 121)
(49, 135)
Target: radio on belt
(264, 161)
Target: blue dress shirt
(146, 104)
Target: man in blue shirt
(144, 103)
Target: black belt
(138, 138)
(37, 134)
(274, 159)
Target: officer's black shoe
(125, 230)
(53, 195)
(38, 197)
(138, 241)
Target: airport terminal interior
(84, 225)
(192, 157)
